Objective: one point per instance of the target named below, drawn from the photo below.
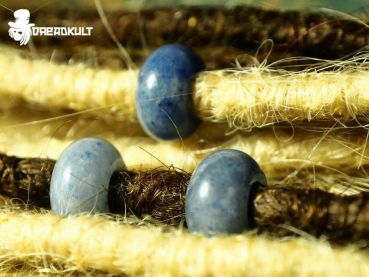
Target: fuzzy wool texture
(258, 97)
(335, 159)
(70, 87)
(84, 242)
(244, 99)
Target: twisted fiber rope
(243, 99)
(87, 242)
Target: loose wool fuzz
(243, 98)
(82, 243)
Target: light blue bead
(217, 198)
(163, 99)
(81, 176)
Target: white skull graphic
(20, 30)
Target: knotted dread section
(26, 180)
(160, 193)
(312, 210)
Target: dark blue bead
(164, 99)
(218, 195)
(81, 177)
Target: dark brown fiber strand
(314, 211)
(160, 193)
(243, 28)
(26, 179)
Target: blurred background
(351, 6)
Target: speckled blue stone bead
(163, 99)
(217, 198)
(81, 176)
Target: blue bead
(81, 176)
(163, 99)
(219, 192)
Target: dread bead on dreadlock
(164, 99)
(160, 193)
(219, 194)
(81, 177)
